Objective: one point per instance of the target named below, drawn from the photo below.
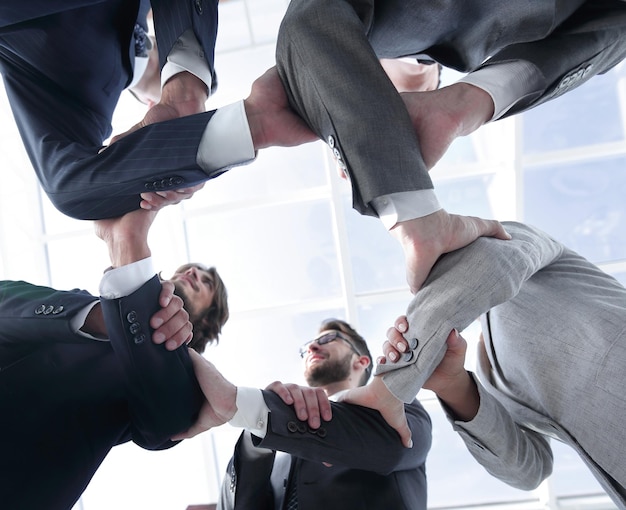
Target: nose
(192, 272)
(313, 346)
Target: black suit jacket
(64, 65)
(67, 400)
(369, 466)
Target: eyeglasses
(326, 338)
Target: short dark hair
(359, 342)
(207, 327)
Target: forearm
(463, 285)
(461, 398)
(516, 455)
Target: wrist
(186, 93)
(461, 397)
(477, 107)
(126, 249)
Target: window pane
(574, 119)
(270, 255)
(581, 204)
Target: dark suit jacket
(65, 64)
(370, 467)
(67, 400)
(327, 55)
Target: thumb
(404, 432)
(418, 271)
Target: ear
(362, 361)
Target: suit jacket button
(48, 310)
(331, 141)
(337, 154)
(58, 310)
(140, 338)
(131, 316)
(301, 428)
(407, 356)
(292, 426)
(40, 309)
(413, 343)
(198, 5)
(321, 432)
(177, 180)
(135, 328)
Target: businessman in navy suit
(80, 375)
(352, 462)
(65, 64)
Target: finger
(404, 432)
(390, 352)
(300, 405)
(402, 324)
(173, 311)
(312, 400)
(167, 292)
(456, 342)
(282, 391)
(184, 336)
(175, 331)
(394, 414)
(326, 410)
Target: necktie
(292, 489)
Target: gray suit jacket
(327, 56)
(554, 358)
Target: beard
(179, 290)
(328, 371)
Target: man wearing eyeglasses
(353, 461)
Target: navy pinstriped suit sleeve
(64, 73)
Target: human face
(327, 361)
(196, 286)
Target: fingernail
(393, 356)
(380, 360)
(402, 328)
(410, 445)
(401, 347)
(156, 322)
(158, 338)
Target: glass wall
(292, 252)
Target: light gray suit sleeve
(514, 454)
(463, 285)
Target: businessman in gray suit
(551, 364)
(519, 54)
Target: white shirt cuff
(125, 280)
(506, 83)
(227, 140)
(405, 205)
(252, 412)
(187, 55)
